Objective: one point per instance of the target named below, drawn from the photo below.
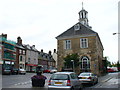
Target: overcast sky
(38, 22)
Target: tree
(68, 59)
(118, 65)
(109, 63)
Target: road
(110, 81)
(20, 81)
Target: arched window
(85, 63)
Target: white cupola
(83, 16)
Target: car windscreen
(15, 69)
(85, 74)
(7, 68)
(59, 77)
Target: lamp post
(115, 33)
(73, 65)
(118, 43)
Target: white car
(53, 71)
(88, 77)
(64, 80)
(22, 71)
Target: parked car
(14, 71)
(53, 70)
(22, 71)
(64, 80)
(88, 77)
(46, 71)
(6, 70)
(112, 69)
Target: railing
(9, 56)
(8, 46)
(7, 41)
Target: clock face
(77, 27)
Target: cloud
(38, 22)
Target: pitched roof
(83, 30)
(32, 48)
(45, 56)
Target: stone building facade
(81, 39)
(55, 57)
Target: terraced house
(46, 60)
(31, 58)
(20, 54)
(81, 39)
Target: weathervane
(82, 5)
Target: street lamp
(115, 33)
(73, 65)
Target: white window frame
(20, 51)
(84, 43)
(87, 62)
(23, 51)
(67, 44)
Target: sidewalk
(108, 81)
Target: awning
(31, 65)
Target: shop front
(31, 67)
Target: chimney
(50, 52)
(4, 35)
(42, 50)
(54, 50)
(33, 46)
(19, 40)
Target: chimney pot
(54, 50)
(41, 50)
(33, 45)
(19, 40)
(50, 52)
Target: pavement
(109, 82)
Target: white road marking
(23, 83)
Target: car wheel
(72, 88)
(80, 88)
(97, 81)
(93, 82)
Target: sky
(38, 22)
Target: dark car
(14, 71)
(6, 70)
